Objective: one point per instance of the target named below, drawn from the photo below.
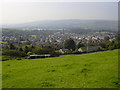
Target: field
(33, 35)
(0, 74)
(96, 70)
(3, 42)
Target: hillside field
(95, 70)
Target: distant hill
(68, 24)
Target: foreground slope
(96, 70)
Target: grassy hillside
(0, 74)
(96, 70)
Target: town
(29, 42)
(55, 38)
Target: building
(63, 51)
(39, 56)
(89, 48)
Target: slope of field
(0, 74)
(96, 70)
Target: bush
(100, 49)
(19, 59)
(5, 58)
(69, 52)
(55, 54)
(76, 52)
(83, 51)
(14, 53)
(42, 51)
(29, 53)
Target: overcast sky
(20, 12)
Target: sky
(20, 12)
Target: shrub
(55, 54)
(100, 49)
(42, 51)
(29, 53)
(83, 51)
(5, 58)
(69, 52)
(14, 53)
(76, 52)
(19, 59)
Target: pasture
(95, 70)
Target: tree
(42, 51)
(6, 47)
(69, 44)
(103, 45)
(32, 47)
(12, 46)
(106, 38)
(26, 49)
(14, 53)
(80, 45)
(20, 49)
(54, 54)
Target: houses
(63, 51)
(89, 48)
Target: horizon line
(59, 20)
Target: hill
(96, 70)
(69, 24)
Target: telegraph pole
(63, 31)
(87, 45)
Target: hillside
(96, 70)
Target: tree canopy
(69, 44)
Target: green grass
(33, 35)
(0, 74)
(3, 42)
(96, 70)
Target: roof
(90, 48)
(41, 55)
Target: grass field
(96, 70)
(0, 74)
(3, 42)
(33, 35)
